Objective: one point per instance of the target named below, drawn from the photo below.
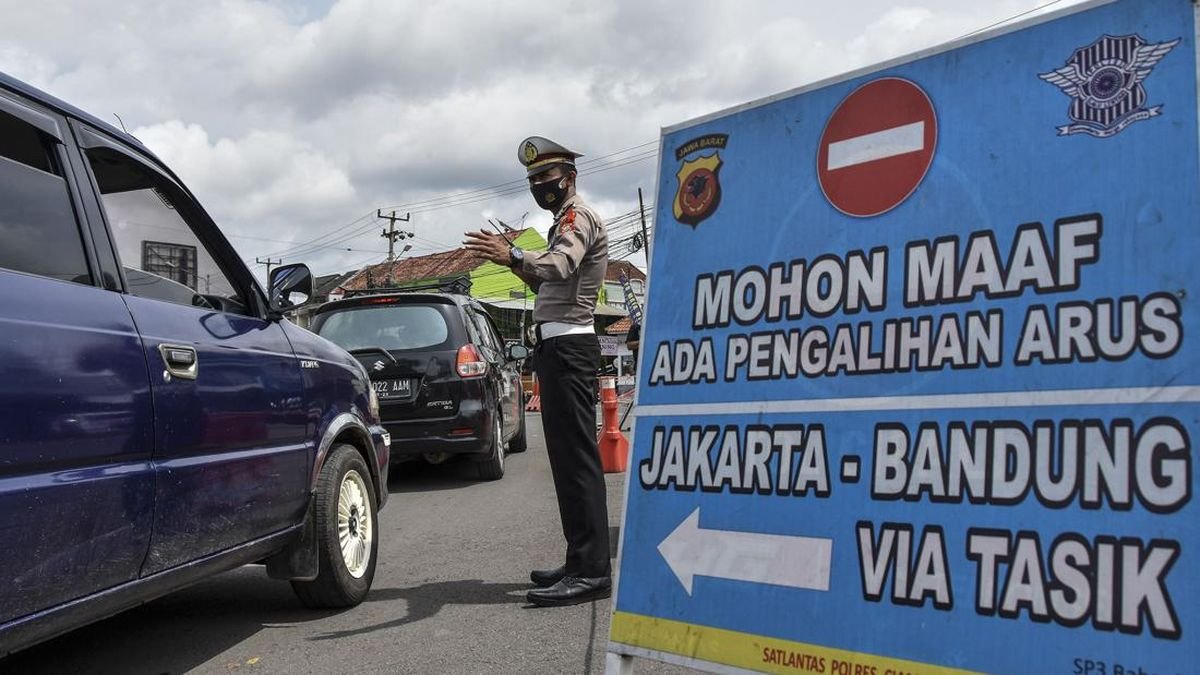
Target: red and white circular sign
(877, 147)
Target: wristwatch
(517, 255)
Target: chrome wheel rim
(356, 529)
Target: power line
(513, 188)
(357, 266)
(587, 167)
(302, 245)
(391, 233)
(520, 183)
(617, 226)
(269, 263)
(311, 246)
(617, 223)
(1011, 18)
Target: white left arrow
(798, 562)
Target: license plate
(393, 389)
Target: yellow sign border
(753, 652)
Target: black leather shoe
(571, 591)
(547, 578)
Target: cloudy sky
(293, 121)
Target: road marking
(797, 562)
(878, 145)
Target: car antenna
(499, 231)
(121, 121)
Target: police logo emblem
(1105, 82)
(531, 152)
(699, 192)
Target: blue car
(160, 421)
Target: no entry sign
(876, 147)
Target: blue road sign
(915, 393)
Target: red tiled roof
(615, 268)
(418, 268)
(620, 327)
(449, 264)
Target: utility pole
(392, 234)
(645, 237)
(269, 263)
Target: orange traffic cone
(614, 448)
(535, 401)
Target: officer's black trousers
(566, 369)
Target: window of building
(172, 261)
(614, 293)
(39, 233)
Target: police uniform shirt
(571, 271)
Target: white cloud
(288, 122)
(257, 183)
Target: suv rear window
(393, 327)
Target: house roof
(453, 263)
(615, 267)
(407, 270)
(322, 285)
(621, 327)
(418, 268)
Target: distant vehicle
(160, 421)
(447, 383)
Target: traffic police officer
(567, 278)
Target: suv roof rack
(458, 286)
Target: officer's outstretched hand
(488, 246)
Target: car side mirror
(517, 352)
(291, 287)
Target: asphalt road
(448, 597)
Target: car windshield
(391, 327)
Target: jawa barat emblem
(699, 192)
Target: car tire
(492, 468)
(518, 442)
(345, 513)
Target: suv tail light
(470, 363)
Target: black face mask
(549, 194)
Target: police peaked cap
(537, 154)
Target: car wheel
(347, 533)
(492, 468)
(518, 442)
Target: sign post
(916, 391)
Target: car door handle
(180, 360)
